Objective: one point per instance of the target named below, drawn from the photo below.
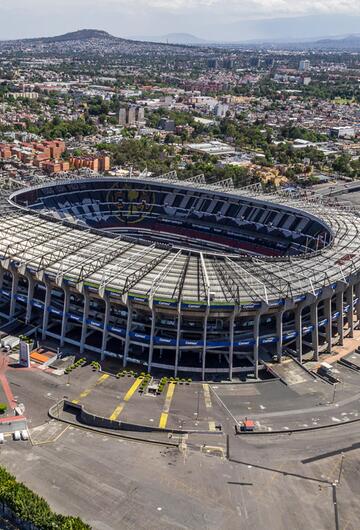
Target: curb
(114, 434)
(294, 431)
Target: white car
(2, 439)
(16, 436)
(24, 435)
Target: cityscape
(180, 272)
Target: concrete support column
(178, 332)
(231, 350)
(257, 342)
(349, 297)
(279, 335)
(357, 295)
(84, 322)
(310, 299)
(204, 344)
(30, 297)
(46, 310)
(14, 287)
(314, 319)
(298, 328)
(340, 318)
(328, 325)
(2, 272)
(127, 338)
(65, 314)
(152, 333)
(105, 335)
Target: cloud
(207, 18)
(224, 8)
(240, 8)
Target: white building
(342, 132)
(304, 65)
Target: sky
(216, 19)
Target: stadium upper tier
(173, 242)
(182, 216)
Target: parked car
(16, 436)
(24, 435)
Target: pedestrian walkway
(349, 346)
(5, 383)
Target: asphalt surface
(269, 481)
(276, 483)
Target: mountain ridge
(334, 42)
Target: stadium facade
(180, 275)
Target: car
(24, 435)
(2, 439)
(16, 436)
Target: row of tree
(143, 154)
(29, 507)
(58, 128)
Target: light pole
(198, 404)
(334, 394)
(341, 467)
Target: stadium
(181, 276)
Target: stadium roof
(109, 264)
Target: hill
(80, 35)
(91, 42)
(349, 42)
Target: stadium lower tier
(182, 340)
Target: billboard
(24, 354)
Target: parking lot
(221, 493)
(179, 406)
(302, 402)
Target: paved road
(4, 361)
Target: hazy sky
(206, 18)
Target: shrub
(3, 408)
(31, 508)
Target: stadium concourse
(181, 276)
